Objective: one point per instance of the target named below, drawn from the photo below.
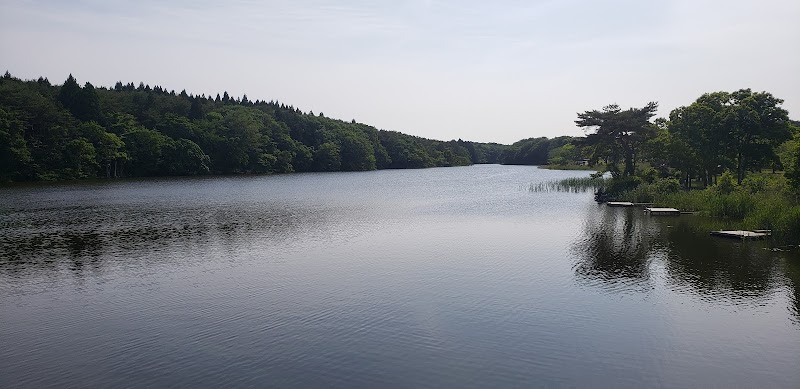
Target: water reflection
(458, 274)
(615, 250)
(714, 267)
(44, 239)
(793, 277)
(618, 249)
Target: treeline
(732, 155)
(69, 131)
(737, 132)
(540, 151)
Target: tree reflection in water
(717, 267)
(81, 238)
(618, 247)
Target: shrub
(667, 185)
(726, 183)
(755, 183)
(776, 215)
(649, 175)
(620, 185)
(639, 194)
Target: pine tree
(69, 94)
(196, 110)
(87, 106)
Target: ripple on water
(438, 277)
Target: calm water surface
(458, 277)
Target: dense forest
(69, 131)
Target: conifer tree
(69, 94)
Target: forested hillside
(52, 132)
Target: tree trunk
(629, 164)
(739, 168)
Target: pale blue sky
(486, 71)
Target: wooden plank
(662, 211)
(741, 234)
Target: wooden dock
(627, 204)
(743, 235)
(662, 211)
(619, 204)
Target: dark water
(457, 277)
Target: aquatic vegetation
(761, 202)
(573, 185)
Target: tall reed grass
(573, 185)
(760, 202)
(768, 207)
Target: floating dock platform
(743, 235)
(662, 211)
(626, 204)
(619, 204)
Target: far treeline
(62, 132)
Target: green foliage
(145, 150)
(649, 175)
(774, 214)
(356, 153)
(69, 131)
(620, 184)
(81, 159)
(761, 202)
(726, 184)
(666, 185)
(619, 136)
(327, 158)
(563, 155)
(792, 158)
(738, 131)
(575, 184)
(184, 157)
(755, 183)
(533, 151)
(736, 204)
(15, 158)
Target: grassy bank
(762, 201)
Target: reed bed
(572, 185)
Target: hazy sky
(493, 71)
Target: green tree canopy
(618, 134)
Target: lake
(454, 277)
